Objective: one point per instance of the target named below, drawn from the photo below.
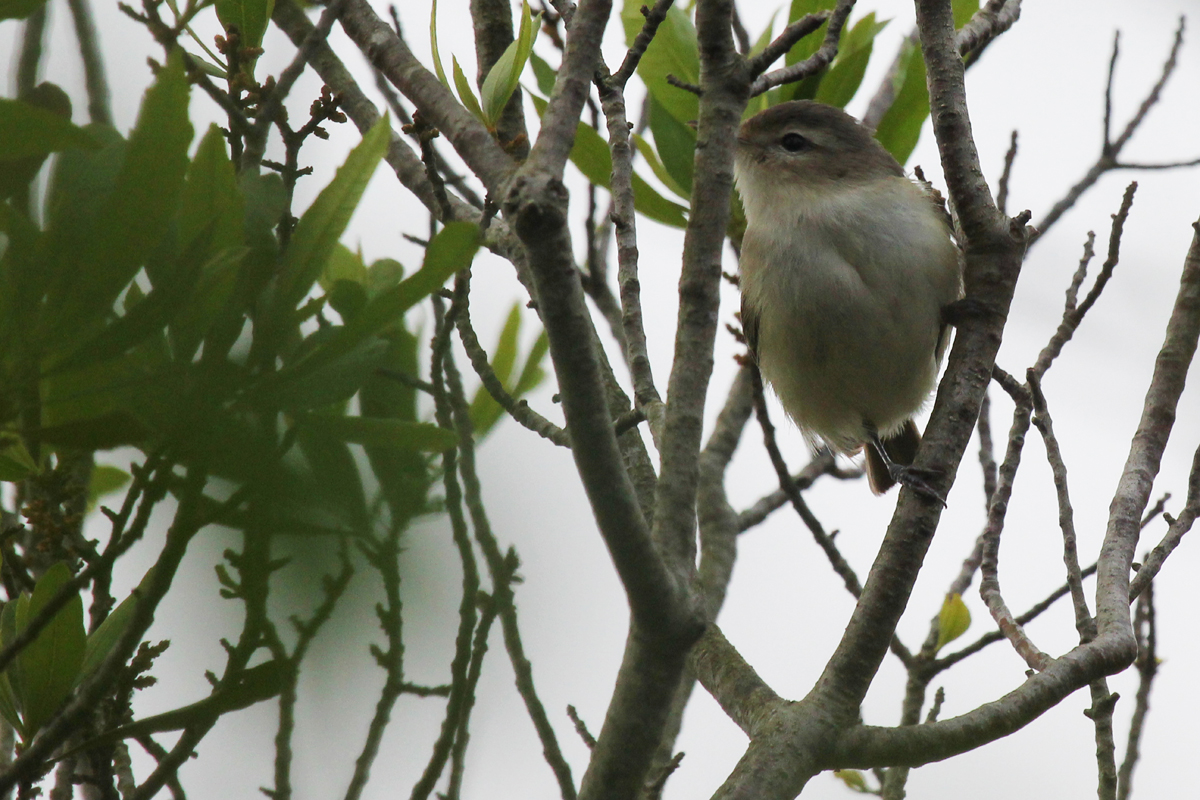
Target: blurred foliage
(156, 307)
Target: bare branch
(1072, 315)
(1147, 667)
(1145, 455)
(518, 410)
(654, 18)
(1009, 158)
(256, 141)
(1084, 624)
(989, 583)
(99, 107)
(787, 39)
(809, 66)
(391, 56)
(733, 683)
(1153, 562)
(1110, 150)
(623, 217)
(993, 19)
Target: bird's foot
(916, 479)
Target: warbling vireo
(846, 267)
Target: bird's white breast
(848, 283)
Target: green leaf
(27, 130)
(265, 198)
(105, 480)
(503, 77)
(210, 294)
(403, 475)
(452, 249)
(137, 214)
(50, 664)
(383, 275)
(654, 206)
(465, 93)
(853, 780)
(532, 373)
(22, 268)
(337, 480)
(8, 632)
(485, 411)
(19, 9)
(846, 72)
(963, 11)
(545, 74)
(8, 703)
(953, 620)
(15, 462)
(144, 316)
(382, 432)
(319, 229)
(16, 608)
(210, 195)
(656, 166)
(92, 404)
(334, 380)
(433, 45)
(809, 44)
(676, 145)
(248, 16)
(590, 153)
(343, 265)
(672, 51)
(900, 129)
(102, 640)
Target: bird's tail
(901, 448)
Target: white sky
(785, 608)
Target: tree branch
(809, 66)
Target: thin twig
(989, 583)
(501, 567)
(1153, 562)
(1006, 175)
(269, 109)
(581, 728)
(823, 539)
(993, 19)
(1084, 624)
(467, 609)
(517, 409)
(1110, 150)
(823, 463)
(786, 39)
(1147, 666)
(99, 109)
(654, 18)
(809, 66)
(623, 219)
(29, 60)
(1072, 315)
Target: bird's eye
(794, 142)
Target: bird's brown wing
(750, 326)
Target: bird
(846, 269)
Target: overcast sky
(786, 608)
